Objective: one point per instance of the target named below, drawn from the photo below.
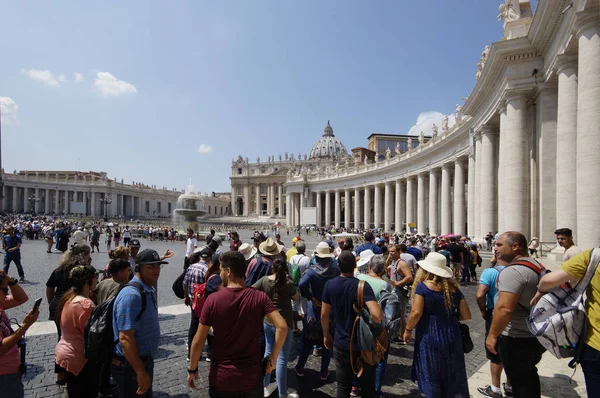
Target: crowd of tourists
(345, 302)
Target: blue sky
(135, 88)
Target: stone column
(433, 203)
(233, 200)
(515, 176)
(257, 199)
(421, 203)
(246, 199)
(269, 200)
(347, 208)
(389, 208)
(288, 212)
(367, 207)
(14, 199)
(38, 200)
(272, 187)
(588, 129)
(398, 207)
(566, 143)
(459, 198)
(319, 208)
(93, 204)
(337, 206)
(487, 182)
(410, 209)
(477, 198)
(47, 201)
(446, 201)
(377, 207)
(501, 167)
(357, 208)
(66, 204)
(280, 199)
(327, 209)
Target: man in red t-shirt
(236, 315)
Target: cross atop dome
(328, 132)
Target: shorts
(404, 299)
(494, 358)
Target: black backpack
(98, 335)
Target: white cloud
(44, 76)
(203, 148)
(78, 77)
(110, 86)
(8, 109)
(425, 122)
(61, 78)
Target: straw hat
(435, 263)
(323, 250)
(270, 247)
(364, 257)
(247, 250)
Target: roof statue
(445, 123)
(509, 11)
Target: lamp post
(33, 199)
(106, 201)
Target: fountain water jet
(189, 207)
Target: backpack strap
(140, 289)
(360, 292)
(530, 265)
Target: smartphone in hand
(37, 304)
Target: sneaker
(268, 390)
(187, 358)
(487, 392)
(507, 391)
(299, 372)
(354, 392)
(22, 279)
(325, 375)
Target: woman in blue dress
(437, 306)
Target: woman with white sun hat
(437, 306)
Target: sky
(163, 92)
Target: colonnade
(263, 199)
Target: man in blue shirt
(11, 243)
(339, 298)
(486, 297)
(369, 244)
(137, 332)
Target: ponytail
(280, 270)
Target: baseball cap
(135, 243)
(296, 239)
(206, 252)
(149, 256)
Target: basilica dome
(328, 146)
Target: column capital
(459, 161)
(586, 20)
(489, 130)
(446, 166)
(515, 95)
(502, 107)
(566, 63)
(434, 172)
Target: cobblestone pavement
(170, 367)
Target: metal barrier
(546, 247)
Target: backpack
(178, 285)
(295, 273)
(392, 312)
(559, 321)
(372, 338)
(199, 296)
(260, 269)
(98, 335)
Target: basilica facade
(523, 155)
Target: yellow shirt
(576, 267)
(291, 253)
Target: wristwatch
(13, 282)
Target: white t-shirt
(571, 252)
(79, 237)
(191, 245)
(127, 234)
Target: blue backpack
(260, 269)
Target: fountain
(189, 207)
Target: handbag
(466, 338)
